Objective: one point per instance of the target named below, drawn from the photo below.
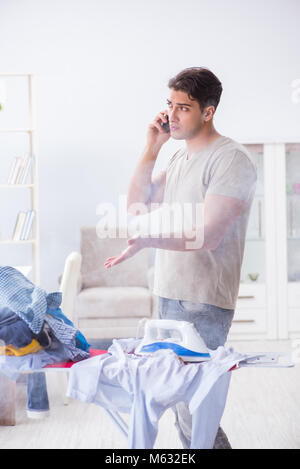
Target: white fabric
(145, 386)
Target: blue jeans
(37, 396)
(213, 324)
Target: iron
(179, 336)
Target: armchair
(108, 303)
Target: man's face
(185, 116)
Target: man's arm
(157, 188)
(143, 188)
(231, 187)
(220, 212)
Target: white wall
(103, 68)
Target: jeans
(13, 330)
(37, 396)
(213, 324)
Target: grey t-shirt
(207, 276)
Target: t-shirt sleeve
(234, 175)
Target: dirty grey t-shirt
(205, 276)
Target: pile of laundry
(34, 332)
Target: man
(199, 285)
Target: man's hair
(200, 84)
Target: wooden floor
(263, 411)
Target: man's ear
(209, 113)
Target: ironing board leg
(123, 427)
(62, 379)
(7, 401)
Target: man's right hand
(156, 135)
(142, 188)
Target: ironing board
(7, 386)
(267, 360)
(260, 360)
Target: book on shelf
(14, 170)
(20, 169)
(27, 224)
(23, 225)
(19, 225)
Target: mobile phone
(165, 125)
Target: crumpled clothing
(13, 330)
(22, 297)
(13, 367)
(80, 339)
(145, 386)
(66, 335)
(40, 317)
(11, 350)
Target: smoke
(164, 220)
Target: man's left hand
(136, 243)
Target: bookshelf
(17, 186)
(32, 186)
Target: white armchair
(107, 303)
(70, 283)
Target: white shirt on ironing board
(146, 386)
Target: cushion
(113, 302)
